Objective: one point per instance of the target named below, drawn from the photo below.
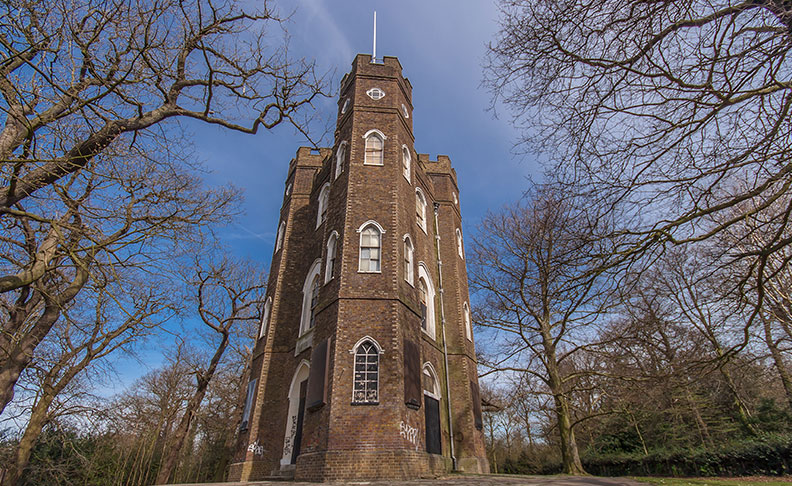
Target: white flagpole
(374, 55)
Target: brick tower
(366, 327)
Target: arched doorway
(293, 437)
(431, 390)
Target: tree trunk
(778, 359)
(203, 379)
(38, 419)
(570, 458)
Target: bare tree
(228, 293)
(534, 268)
(92, 171)
(672, 113)
(81, 340)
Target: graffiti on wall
(287, 445)
(409, 432)
(256, 448)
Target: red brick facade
(342, 439)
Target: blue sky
(440, 46)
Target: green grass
(711, 482)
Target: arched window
(406, 158)
(466, 317)
(279, 239)
(265, 317)
(366, 377)
(340, 157)
(459, 244)
(310, 297)
(324, 199)
(431, 386)
(375, 144)
(330, 260)
(426, 295)
(370, 245)
(408, 259)
(420, 209)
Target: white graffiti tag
(256, 449)
(408, 432)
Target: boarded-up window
(476, 397)
(413, 395)
(317, 379)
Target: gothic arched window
(332, 244)
(310, 297)
(466, 316)
(408, 259)
(406, 158)
(366, 384)
(265, 317)
(370, 245)
(279, 239)
(459, 244)
(324, 200)
(340, 156)
(426, 294)
(420, 209)
(375, 144)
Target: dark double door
(432, 414)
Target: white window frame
(305, 317)
(460, 251)
(466, 319)
(420, 208)
(360, 245)
(376, 93)
(406, 162)
(423, 272)
(374, 133)
(409, 259)
(339, 159)
(324, 201)
(404, 111)
(265, 316)
(429, 370)
(280, 236)
(353, 352)
(345, 106)
(332, 250)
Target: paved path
(463, 480)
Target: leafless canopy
(673, 113)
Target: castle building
(365, 367)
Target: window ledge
(356, 404)
(372, 163)
(304, 342)
(369, 271)
(428, 334)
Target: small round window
(345, 107)
(405, 112)
(375, 94)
